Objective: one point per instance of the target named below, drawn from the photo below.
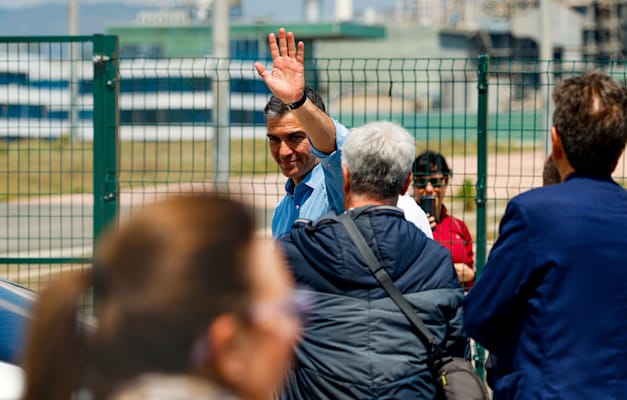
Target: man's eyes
(296, 138)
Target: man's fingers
(274, 50)
(260, 69)
(291, 45)
(286, 46)
(282, 42)
(300, 56)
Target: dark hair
(162, 279)
(550, 173)
(591, 119)
(276, 108)
(429, 163)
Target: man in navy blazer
(551, 303)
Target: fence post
(482, 176)
(106, 126)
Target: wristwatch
(295, 105)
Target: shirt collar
(313, 179)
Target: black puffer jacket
(358, 344)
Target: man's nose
(284, 149)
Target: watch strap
(297, 104)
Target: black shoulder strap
(386, 282)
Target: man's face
(290, 147)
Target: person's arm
(464, 272)
(456, 341)
(331, 164)
(286, 80)
(490, 307)
(470, 255)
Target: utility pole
(221, 94)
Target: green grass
(32, 168)
(466, 194)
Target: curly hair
(591, 119)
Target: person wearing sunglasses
(431, 179)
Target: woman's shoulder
(171, 387)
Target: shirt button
(297, 207)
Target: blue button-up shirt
(320, 191)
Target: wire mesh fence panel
(170, 128)
(197, 124)
(46, 174)
(436, 100)
(194, 124)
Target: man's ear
(347, 183)
(557, 146)
(410, 179)
(559, 155)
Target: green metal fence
(58, 138)
(146, 128)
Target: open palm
(286, 79)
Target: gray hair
(378, 157)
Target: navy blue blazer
(551, 302)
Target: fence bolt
(109, 196)
(100, 58)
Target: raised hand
(286, 80)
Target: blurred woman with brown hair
(190, 304)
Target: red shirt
(453, 234)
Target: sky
(30, 3)
(278, 9)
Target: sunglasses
(422, 182)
